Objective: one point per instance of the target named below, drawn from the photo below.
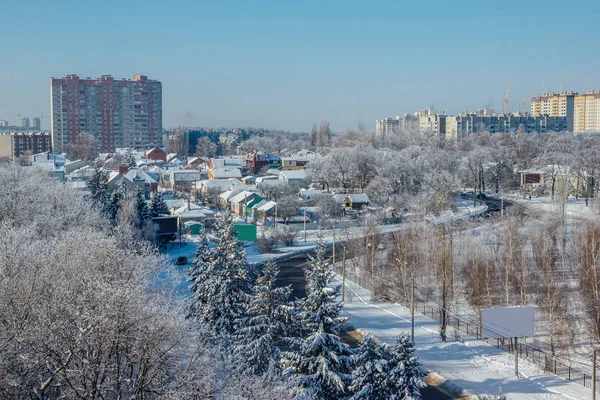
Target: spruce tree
(201, 278)
(227, 287)
(370, 371)
(158, 206)
(98, 184)
(322, 364)
(129, 158)
(404, 378)
(142, 212)
(111, 208)
(268, 324)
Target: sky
(286, 64)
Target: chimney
(123, 168)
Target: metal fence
(531, 353)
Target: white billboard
(506, 322)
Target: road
(292, 273)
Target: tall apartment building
(3, 123)
(555, 105)
(25, 123)
(407, 122)
(465, 125)
(15, 144)
(587, 112)
(37, 124)
(119, 113)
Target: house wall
(6, 146)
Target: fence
(534, 354)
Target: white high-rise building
(118, 113)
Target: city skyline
(285, 66)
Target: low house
(133, 179)
(224, 173)
(288, 163)
(308, 197)
(294, 176)
(184, 179)
(352, 201)
(195, 162)
(540, 181)
(266, 212)
(249, 206)
(193, 212)
(156, 154)
(237, 202)
(256, 161)
(227, 195)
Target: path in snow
(471, 364)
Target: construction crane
(506, 99)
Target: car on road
(181, 260)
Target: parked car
(181, 260)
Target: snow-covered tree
(97, 184)
(370, 371)
(404, 378)
(142, 211)
(112, 206)
(321, 366)
(129, 159)
(158, 206)
(225, 290)
(268, 324)
(200, 282)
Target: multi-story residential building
(407, 122)
(15, 144)
(465, 125)
(25, 123)
(3, 123)
(37, 124)
(433, 123)
(119, 113)
(587, 112)
(555, 105)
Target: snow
(470, 365)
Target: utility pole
(516, 357)
(412, 308)
(334, 244)
(344, 276)
(304, 224)
(594, 376)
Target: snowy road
(471, 364)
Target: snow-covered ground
(471, 365)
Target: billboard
(506, 322)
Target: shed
(194, 227)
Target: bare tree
(83, 147)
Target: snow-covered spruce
(111, 208)
(370, 372)
(198, 277)
(158, 206)
(404, 378)
(98, 184)
(142, 211)
(223, 287)
(322, 366)
(267, 325)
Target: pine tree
(111, 208)
(226, 288)
(158, 206)
(404, 378)
(142, 212)
(268, 323)
(322, 364)
(370, 372)
(98, 184)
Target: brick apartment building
(119, 113)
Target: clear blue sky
(285, 64)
